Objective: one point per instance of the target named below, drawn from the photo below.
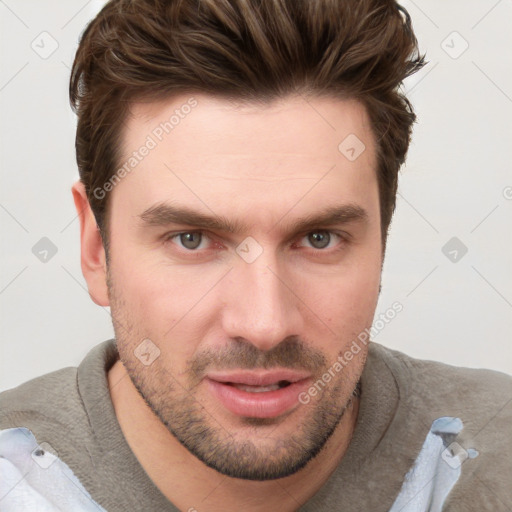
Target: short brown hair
(247, 50)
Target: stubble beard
(264, 454)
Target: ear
(94, 267)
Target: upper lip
(258, 377)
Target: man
(238, 164)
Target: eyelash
(198, 252)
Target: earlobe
(92, 252)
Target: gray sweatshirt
(429, 437)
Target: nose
(259, 304)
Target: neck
(191, 485)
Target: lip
(258, 377)
(266, 404)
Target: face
(245, 257)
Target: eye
(39, 452)
(190, 240)
(197, 241)
(321, 239)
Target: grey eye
(319, 239)
(39, 452)
(190, 240)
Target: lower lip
(267, 404)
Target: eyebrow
(164, 214)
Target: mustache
(241, 354)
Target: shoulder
(436, 381)
(56, 398)
(481, 399)
(49, 398)
(50, 407)
(428, 390)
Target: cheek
(359, 293)
(164, 303)
(346, 303)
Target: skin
(264, 166)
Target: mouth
(260, 389)
(258, 394)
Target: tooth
(257, 389)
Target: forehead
(294, 125)
(218, 154)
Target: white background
(454, 185)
